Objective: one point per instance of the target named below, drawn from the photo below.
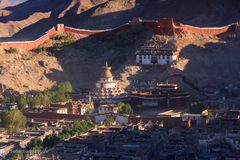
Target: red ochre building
(164, 96)
(166, 26)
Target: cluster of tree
(56, 94)
(35, 147)
(109, 120)
(77, 128)
(124, 108)
(59, 43)
(17, 155)
(13, 120)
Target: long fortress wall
(205, 30)
(28, 45)
(96, 32)
(164, 26)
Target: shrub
(11, 50)
(109, 120)
(35, 146)
(124, 108)
(17, 154)
(40, 49)
(50, 141)
(61, 37)
(64, 39)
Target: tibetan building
(164, 95)
(157, 52)
(107, 87)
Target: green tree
(124, 108)
(59, 97)
(77, 128)
(36, 101)
(54, 95)
(109, 120)
(45, 99)
(17, 155)
(9, 99)
(35, 146)
(13, 120)
(22, 102)
(42, 99)
(65, 87)
(50, 141)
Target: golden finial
(107, 71)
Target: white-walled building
(157, 53)
(108, 108)
(107, 87)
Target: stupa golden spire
(106, 72)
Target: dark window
(154, 60)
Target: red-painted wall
(96, 32)
(207, 31)
(30, 44)
(155, 25)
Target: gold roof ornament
(106, 72)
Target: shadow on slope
(216, 64)
(200, 13)
(83, 20)
(82, 61)
(27, 8)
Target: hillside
(205, 60)
(101, 14)
(8, 3)
(37, 16)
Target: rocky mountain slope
(8, 3)
(99, 14)
(206, 60)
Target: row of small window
(149, 56)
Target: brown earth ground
(204, 60)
